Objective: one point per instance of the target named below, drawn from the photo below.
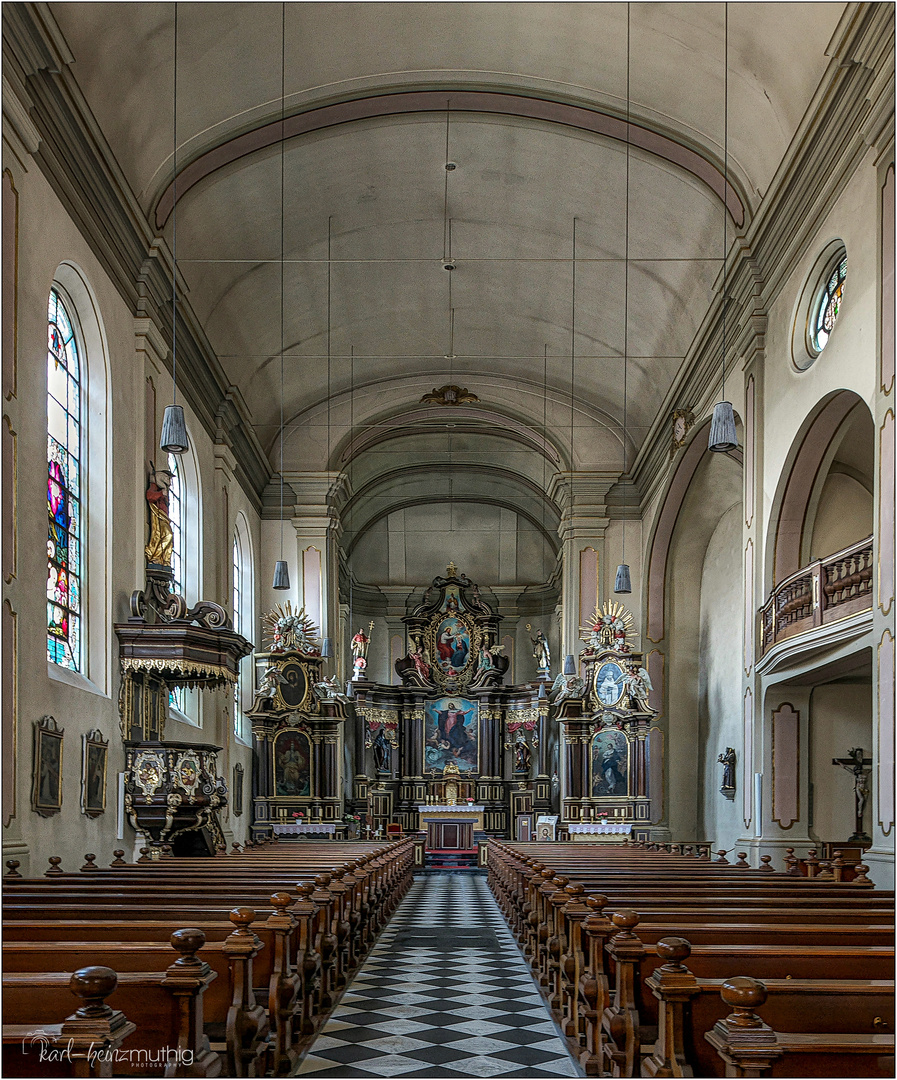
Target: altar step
(450, 859)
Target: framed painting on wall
(292, 764)
(451, 734)
(94, 758)
(610, 763)
(46, 790)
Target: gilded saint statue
(161, 539)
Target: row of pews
(188, 967)
(658, 963)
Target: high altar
(453, 751)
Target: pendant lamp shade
(622, 584)
(569, 664)
(541, 694)
(174, 431)
(281, 575)
(723, 436)
(327, 648)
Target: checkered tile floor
(445, 992)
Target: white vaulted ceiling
(526, 168)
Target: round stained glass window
(828, 305)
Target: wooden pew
(83, 1044)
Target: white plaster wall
(47, 237)
(840, 719)
(844, 515)
(720, 676)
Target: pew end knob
(765, 861)
(322, 880)
(305, 888)
(188, 942)
(862, 870)
(235, 848)
(597, 901)
(280, 901)
(54, 861)
(242, 918)
(144, 855)
(743, 995)
(742, 863)
(721, 857)
(93, 985)
(673, 950)
(626, 920)
(119, 859)
(13, 866)
(89, 864)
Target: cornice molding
(77, 162)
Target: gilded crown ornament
(286, 630)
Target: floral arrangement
(298, 814)
(351, 817)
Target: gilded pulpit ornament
(449, 395)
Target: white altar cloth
(459, 808)
(599, 829)
(307, 827)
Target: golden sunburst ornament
(610, 627)
(286, 630)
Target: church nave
(445, 992)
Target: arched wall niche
(835, 422)
(662, 533)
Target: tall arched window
(176, 517)
(243, 615)
(65, 535)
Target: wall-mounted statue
(360, 643)
(567, 686)
(382, 752)
(160, 545)
(727, 760)
(637, 685)
(330, 689)
(541, 652)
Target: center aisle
(445, 992)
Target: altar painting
(610, 763)
(450, 734)
(452, 645)
(609, 683)
(292, 764)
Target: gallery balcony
(824, 592)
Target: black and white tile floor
(445, 992)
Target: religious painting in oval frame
(451, 734)
(609, 683)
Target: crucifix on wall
(860, 767)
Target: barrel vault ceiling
(526, 99)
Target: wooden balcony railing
(826, 590)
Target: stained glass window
(829, 305)
(64, 481)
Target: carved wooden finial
(742, 863)
(89, 864)
(13, 865)
(721, 857)
(93, 985)
(54, 866)
(167, 852)
(597, 901)
(625, 920)
(765, 861)
(235, 848)
(188, 942)
(119, 858)
(280, 901)
(144, 855)
(825, 871)
(673, 950)
(861, 871)
(791, 863)
(305, 888)
(743, 995)
(242, 918)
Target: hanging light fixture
(622, 581)
(723, 436)
(569, 664)
(281, 570)
(174, 428)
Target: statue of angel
(329, 689)
(637, 684)
(567, 686)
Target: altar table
(326, 828)
(598, 833)
(450, 826)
